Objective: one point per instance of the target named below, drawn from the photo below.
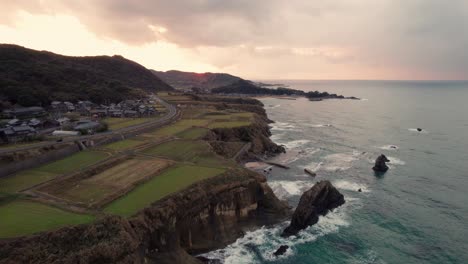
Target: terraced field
(29, 178)
(24, 217)
(93, 189)
(170, 181)
(118, 123)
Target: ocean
(415, 213)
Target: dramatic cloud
(409, 39)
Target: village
(63, 118)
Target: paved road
(170, 116)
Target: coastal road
(171, 115)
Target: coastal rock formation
(281, 250)
(321, 198)
(380, 165)
(208, 215)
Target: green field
(75, 162)
(180, 126)
(193, 133)
(29, 178)
(118, 123)
(179, 150)
(124, 144)
(20, 218)
(229, 124)
(170, 181)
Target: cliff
(206, 216)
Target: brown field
(97, 189)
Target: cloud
(421, 38)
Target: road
(171, 115)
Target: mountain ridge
(32, 77)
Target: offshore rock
(281, 250)
(320, 199)
(380, 165)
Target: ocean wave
(285, 189)
(350, 186)
(389, 147)
(416, 130)
(296, 143)
(339, 161)
(283, 126)
(395, 161)
(272, 106)
(320, 125)
(259, 245)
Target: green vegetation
(119, 123)
(75, 162)
(193, 133)
(179, 150)
(28, 178)
(21, 217)
(180, 126)
(172, 180)
(229, 124)
(124, 144)
(30, 77)
(24, 180)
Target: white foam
(320, 125)
(296, 143)
(314, 166)
(389, 147)
(395, 161)
(350, 186)
(267, 240)
(416, 130)
(340, 161)
(272, 106)
(285, 189)
(283, 126)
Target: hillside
(186, 80)
(31, 77)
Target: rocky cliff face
(206, 216)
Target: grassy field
(118, 123)
(170, 181)
(111, 181)
(20, 218)
(75, 162)
(179, 150)
(124, 144)
(180, 126)
(29, 178)
(193, 133)
(228, 124)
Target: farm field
(112, 181)
(170, 181)
(228, 124)
(28, 178)
(116, 123)
(180, 126)
(193, 133)
(124, 144)
(23, 217)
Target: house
(87, 125)
(59, 107)
(14, 122)
(35, 123)
(17, 133)
(101, 112)
(24, 112)
(63, 121)
(116, 113)
(130, 113)
(70, 106)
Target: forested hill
(188, 80)
(30, 77)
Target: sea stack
(281, 250)
(320, 199)
(380, 165)
(419, 129)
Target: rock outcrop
(320, 199)
(206, 216)
(281, 250)
(380, 165)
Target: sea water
(417, 212)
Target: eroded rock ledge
(209, 215)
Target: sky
(255, 39)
